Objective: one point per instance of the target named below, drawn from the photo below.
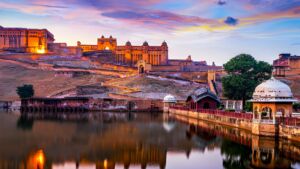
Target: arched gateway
(143, 67)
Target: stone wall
(282, 131)
(264, 129)
(137, 105)
(289, 132)
(228, 121)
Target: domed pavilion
(169, 100)
(271, 99)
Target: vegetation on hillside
(296, 106)
(25, 91)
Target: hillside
(45, 83)
(154, 87)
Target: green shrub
(25, 91)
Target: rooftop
(273, 90)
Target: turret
(128, 43)
(189, 58)
(164, 44)
(145, 43)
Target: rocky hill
(146, 86)
(45, 83)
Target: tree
(25, 91)
(296, 106)
(244, 74)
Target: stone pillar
(234, 105)
(226, 104)
(274, 117)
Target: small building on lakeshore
(58, 106)
(272, 100)
(169, 100)
(203, 98)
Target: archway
(141, 69)
(266, 157)
(266, 113)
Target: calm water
(138, 141)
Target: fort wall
(291, 132)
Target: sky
(211, 30)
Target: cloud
(158, 18)
(269, 16)
(221, 2)
(50, 6)
(231, 21)
(269, 5)
(153, 15)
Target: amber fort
(144, 56)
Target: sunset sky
(211, 30)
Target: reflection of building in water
(265, 154)
(266, 151)
(142, 143)
(143, 156)
(209, 131)
(36, 160)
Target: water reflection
(25, 123)
(36, 160)
(115, 140)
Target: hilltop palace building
(286, 65)
(129, 54)
(153, 58)
(146, 57)
(25, 40)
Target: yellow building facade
(129, 54)
(25, 40)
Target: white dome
(169, 99)
(273, 90)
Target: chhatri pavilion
(271, 99)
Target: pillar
(274, 116)
(234, 104)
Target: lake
(139, 140)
